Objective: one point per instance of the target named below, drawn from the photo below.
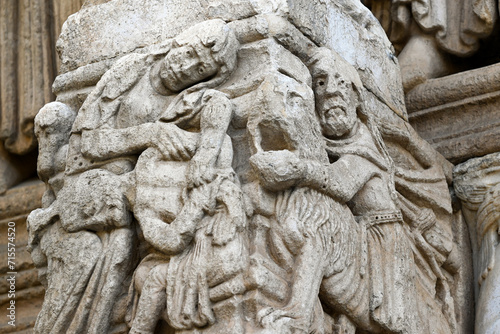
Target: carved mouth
(334, 110)
(337, 106)
(171, 79)
(333, 104)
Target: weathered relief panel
(238, 167)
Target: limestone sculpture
(425, 32)
(238, 178)
(477, 185)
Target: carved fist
(37, 221)
(199, 173)
(173, 143)
(277, 170)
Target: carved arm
(173, 142)
(341, 180)
(216, 115)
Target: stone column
(477, 184)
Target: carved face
(186, 65)
(50, 142)
(52, 128)
(336, 100)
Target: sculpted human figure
(52, 128)
(114, 126)
(173, 78)
(373, 279)
(210, 209)
(358, 154)
(52, 243)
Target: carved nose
(332, 87)
(191, 65)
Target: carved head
(52, 128)
(206, 50)
(336, 87)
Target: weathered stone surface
(425, 32)
(326, 23)
(14, 207)
(28, 65)
(239, 171)
(459, 115)
(19, 200)
(477, 185)
(106, 30)
(28, 31)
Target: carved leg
(296, 317)
(152, 301)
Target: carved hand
(37, 221)
(172, 142)
(199, 173)
(278, 170)
(217, 99)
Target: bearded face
(336, 100)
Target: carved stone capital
(477, 184)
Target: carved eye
(320, 82)
(188, 53)
(201, 70)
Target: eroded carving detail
(424, 32)
(232, 180)
(477, 183)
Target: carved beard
(337, 122)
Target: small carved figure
(210, 211)
(67, 227)
(52, 128)
(63, 274)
